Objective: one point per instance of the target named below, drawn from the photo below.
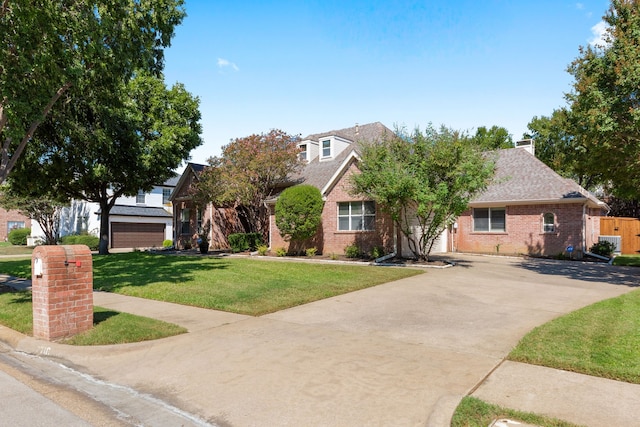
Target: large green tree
(493, 138)
(51, 46)
(247, 173)
(564, 149)
(605, 101)
(423, 181)
(112, 141)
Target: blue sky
(313, 66)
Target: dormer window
(303, 152)
(140, 197)
(326, 148)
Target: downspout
(395, 248)
(210, 223)
(584, 228)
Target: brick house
(189, 218)
(10, 220)
(528, 209)
(346, 219)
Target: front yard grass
(109, 327)
(473, 412)
(601, 340)
(238, 285)
(629, 260)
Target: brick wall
(329, 239)
(524, 231)
(9, 216)
(63, 293)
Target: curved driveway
(400, 354)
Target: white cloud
(579, 6)
(223, 63)
(600, 35)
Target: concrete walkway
(403, 353)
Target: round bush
(18, 236)
(84, 239)
(167, 243)
(299, 212)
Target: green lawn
(602, 340)
(7, 248)
(239, 285)
(474, 412)
(109, 327)
(630, 260)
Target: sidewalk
(403, 353)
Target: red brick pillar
(62, 291)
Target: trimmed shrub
(167, 243)
(82, 239)
(241, 242)
(262, 250)
(352, 251)
(18, 236)
(603, 248)
(299, 212)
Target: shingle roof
(367, 132)
(145, 211)
(318, 173)
(520, 177)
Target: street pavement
(400, 354)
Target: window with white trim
(356, 216)
(489, 219)
(185, 226)
(548, 223)
(13, 225)
(326, 148)
(140, 197)
(166, 193)
(303, 152)
(199, 220)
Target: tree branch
(8, 163)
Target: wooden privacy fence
(627, 228)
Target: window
(199, 220)
(354, 216)
(489, 219)
(184, 222)
(303, 152)
(548, 223)
(326, 148)
(140, 197)
(12, 225)
(166, 193)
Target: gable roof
(143, 211)
(194, 169)
(367, 132)
(521, 178)
(321, 174)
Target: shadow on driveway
(588, 271)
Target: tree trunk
(103, 248)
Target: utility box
(62, 291)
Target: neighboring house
(346, 219)
(10, 220)
(189, 218)
(528, 209)
(141, 221)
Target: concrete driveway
(400, 354)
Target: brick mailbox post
(62, 291)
